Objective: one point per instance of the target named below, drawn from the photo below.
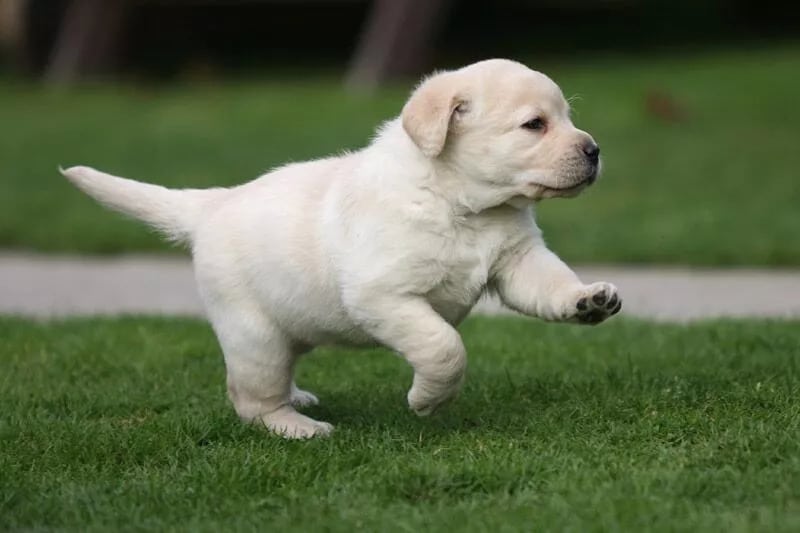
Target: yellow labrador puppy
(390, 245)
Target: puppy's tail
(173, 212)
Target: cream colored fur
(391, 245)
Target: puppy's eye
(536, 124)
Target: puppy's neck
(465, 194)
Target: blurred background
(693, 102)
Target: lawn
(700, 153)
(123, 423)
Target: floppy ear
(426, 116)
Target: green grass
(719, 187)
(123, 423)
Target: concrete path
(44, 286)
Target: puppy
(391, 245)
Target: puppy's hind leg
(297, 396)
(260, 362)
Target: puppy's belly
(311, 314)
(324, 329)
(327, 322)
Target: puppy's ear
(427, 114)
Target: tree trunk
(88, 40)
(395, 41)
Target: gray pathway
(45, 286)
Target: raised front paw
(596, 303)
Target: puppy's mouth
(549, 191)
(569, 189)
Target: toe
(426, 410)
(290, 424)
(323, 429)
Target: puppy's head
(502, 125)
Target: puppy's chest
(464, 261)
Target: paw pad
(599, 298)
(599, 302)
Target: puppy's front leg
(408, 325)
(538, 283)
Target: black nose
(592, 151)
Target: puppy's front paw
(597, 302)
(424, 397)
